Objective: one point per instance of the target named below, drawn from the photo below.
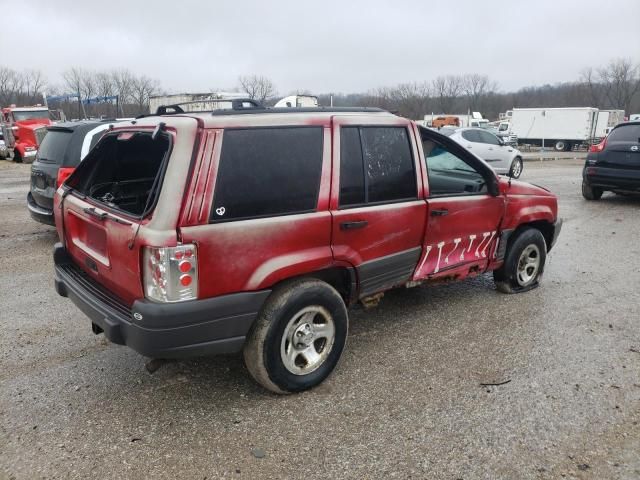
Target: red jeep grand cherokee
(253, 229)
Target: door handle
(353, 225)
(469, 147)
(439, 212)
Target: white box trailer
(560, 128)
(195, 102)
(607, 119)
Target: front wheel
(298, 337)
(516, 168)
(591, 193)
(524, 262)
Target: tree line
(28, 87)
(615, 85)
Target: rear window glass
(124, 172)
(627, 133)
(54, 146)
(267, 172)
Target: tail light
(63, 174)
(599, 147)
(170, 273)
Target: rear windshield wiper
(103, 216)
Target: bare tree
(476, 88)
(73, 79)
(589, 77)
(447, 89)
(141, 89)
(621, 81)
(7, 80)
(34, 83)
(257, 87)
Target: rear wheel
(298, 337)
(524, 262)
(591, 193)
(516, 168)
(560, 146)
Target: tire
(591, 193)
(311, 310)
(524, 262)
(516, 168)
(560, 146)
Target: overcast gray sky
(328, 46)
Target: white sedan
(504, 159)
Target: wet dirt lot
(406, 401)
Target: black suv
(614, 164)
(61, 151)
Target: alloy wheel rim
(307, 340)
(528, 265)
(517, 167)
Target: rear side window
(489, 138)
(471, 136)
(267, 172)
(379, 169)
(627, 133)
(53, 147)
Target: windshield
(30, 115)
(503, 127)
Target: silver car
(504, 159)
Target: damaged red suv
(254, 229)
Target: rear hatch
(110, 195)
(622, 150)
(44, 170)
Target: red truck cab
(24, 128)
(254, 229)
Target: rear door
(114, 194)
(378, 214)
(463, 216)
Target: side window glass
(351, 167)
(489, 138)
(449, 174)
(267, 172)
(470, 136)
(388, 164)
(376, 165)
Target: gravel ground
(406, 401)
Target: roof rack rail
(236, 104)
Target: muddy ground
(406, 401)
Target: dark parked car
(614, 164)
(61, 151)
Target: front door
(378, 212)
(463, 216)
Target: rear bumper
(161, 330)
(38, 213)
(612, 178)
